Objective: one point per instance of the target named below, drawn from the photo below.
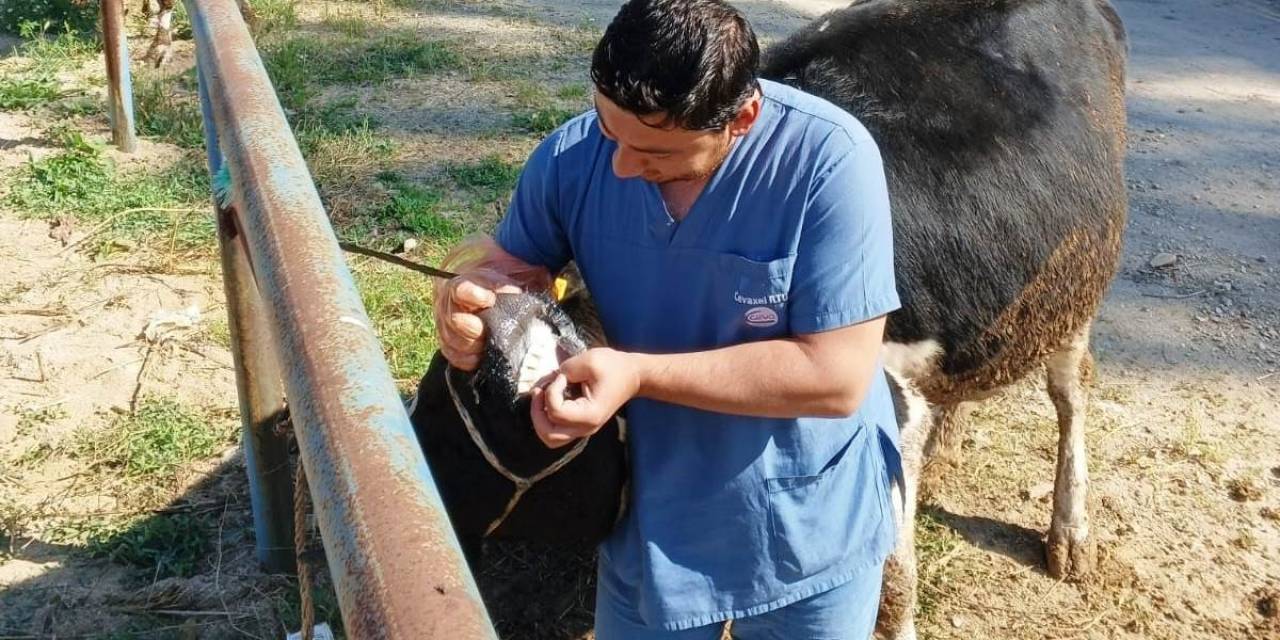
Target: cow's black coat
(1001, 131)
(576, 505)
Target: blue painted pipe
(395, 561)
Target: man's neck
(680, 195)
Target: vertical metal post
(259, 384)
(261, 390)
(115, 47)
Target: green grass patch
(581, 39)
(67, 179)
(359, 145)
(165, 545)
(342, 164)
(79, 181)
(291, 65)
(17, 16)
(24, 92)
(156, 442)
(218, 331)
(491, 175)
(164, 114)
(348, 25)
(271, 16)
(543, 120)
(79, 106)
(13, 524)
(402, 53)
(315, 122)
(530, 95)
(295, 64)
(48, 53)
(495, 70)
(572, 92)
(419, 209)
(399, 303)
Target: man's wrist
(642, 372)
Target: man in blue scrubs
(735, 236)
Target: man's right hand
(461, 330)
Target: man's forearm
(775, 378)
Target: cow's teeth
(540, 357)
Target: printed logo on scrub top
(773, 298)
(761, 317)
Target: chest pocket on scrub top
(752, 297)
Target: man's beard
(694, 176)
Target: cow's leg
(896, 620)
(949, 422)
(942, 447)
(1070, 549)
(161, 48)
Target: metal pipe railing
(115, 50)
(395, 561)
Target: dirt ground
(1184, 426)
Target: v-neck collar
(681, 232)
(675, 228)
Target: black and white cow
(1002, 126)
(495, 477)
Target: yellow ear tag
(559, 288)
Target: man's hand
(608, 379)
(461, 330)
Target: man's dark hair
(694, 60)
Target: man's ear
(747, 115)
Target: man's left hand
(608, 379)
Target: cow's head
(528, 337)
(479, 440)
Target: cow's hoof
(933, 478)
(1070, 553)
(905, 632)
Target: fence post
(115, 47)
(259, 384)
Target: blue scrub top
(729, 515)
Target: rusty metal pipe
(395, 561)
(259, 384)
(115, 48)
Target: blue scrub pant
(847, 612)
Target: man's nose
(626, 164)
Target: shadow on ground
(194, 555)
